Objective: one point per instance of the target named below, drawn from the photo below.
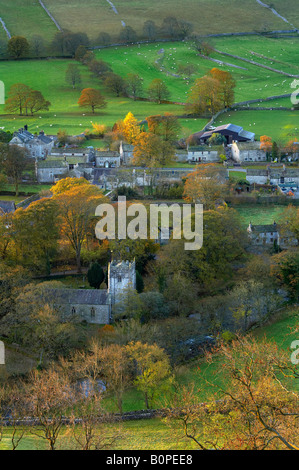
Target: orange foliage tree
(91, 98)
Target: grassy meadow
(160, 60)
(26, 18)
(207, 16)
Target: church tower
(121, 276)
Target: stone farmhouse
(268, 235)
(38, 146)
(49, 171)
(274, 175)
(95, 305)
(126, 153)
(247, 152)
(201, 154)
(107, 159)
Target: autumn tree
(36, 226)
(89, 423)
(166, 126)
(106, 363)
(18, 47)
(66, 184)
(289, 223)
(151, 151)
(116, 370)
(204, 96)
(36, 102)
(206, 185)
(285, 269)
(266, 408)
(73, 76)
(153, 375)
(80, 53)
(226, 87)
(49, 394)
(158, 91)
(266, 143)
(91, 98)
(131, 128)
(76, 207)
(14, 161)
(201, 46)
(17, 98)
(6, 232)
(211, 267)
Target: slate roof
(6, 207)
(51, 164)
(26, 137)
(264, 228)
(228, 127)
(79, 296)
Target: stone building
(268, 235)
(49, 171)
(202, 154)
(274, 175)
(247, 152)
(95, 305)
(107, 159)
(126, 153)
(38, 146)
(261, 235)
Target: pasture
(26, 18)
(159, 60)
(207, 16)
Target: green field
(259, 214)
(159, 60)
(280, 125)
(207, 16)
(26, 18)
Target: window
(119, 279)
(73, 311)
(92, 312)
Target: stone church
(95, 305)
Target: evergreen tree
(95, 275)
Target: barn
(231, 132)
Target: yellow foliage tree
(131, 129)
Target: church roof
(80, 296)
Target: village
(149, 228)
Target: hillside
(162, 60)
(27, 17)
